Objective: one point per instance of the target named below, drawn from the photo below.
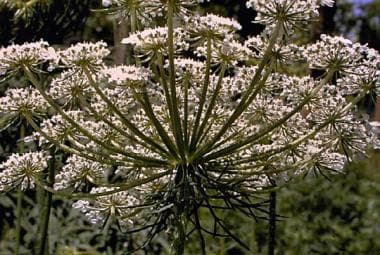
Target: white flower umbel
(150, 42)
(69, 87)
(211, 26)
(293, 14)
(127, 75)
(22, 101)
(22, 169)
(338, 54)
(84, 55)
(228, 51)
(114, 207)
(79, 171)
(31, 55)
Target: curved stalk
(56, 107)
(211, 105)
(65, 148)
(162, 152)
(211, 144)
(145, 102)
(125, 121)
(77, 149)
(231, 148)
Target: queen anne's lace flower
(147, 11)
(149, 42)
(127, 75)
(68, 87)
(209, 127)
(228, 51)
(30, 55)
(57, 128)
(335, 53)
(84, 55)
(23, 100)
(78, 171)
(22, 169)
(284, 54)
(116, 206)
(211, 26)
(291, 13)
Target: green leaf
(7, 120)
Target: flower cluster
(146, 11)
(84, 55)
(22, 169)
(211, 25)
(292, 14)
(115, 206)
(32, 55)
(339, 54)
(127, 75)
(79, 171)
(22, 101)
(202, 120)
(151, 42)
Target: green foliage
(337, 217)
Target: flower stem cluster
(202, 120)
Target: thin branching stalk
(243, 104)
(123, 118)
(56, 107)
(202, 101)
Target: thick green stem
(42, 248)
(20, 196)
(272, 223)
(179, 236)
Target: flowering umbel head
(32, 55)
(203, 120)
(22, 169)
